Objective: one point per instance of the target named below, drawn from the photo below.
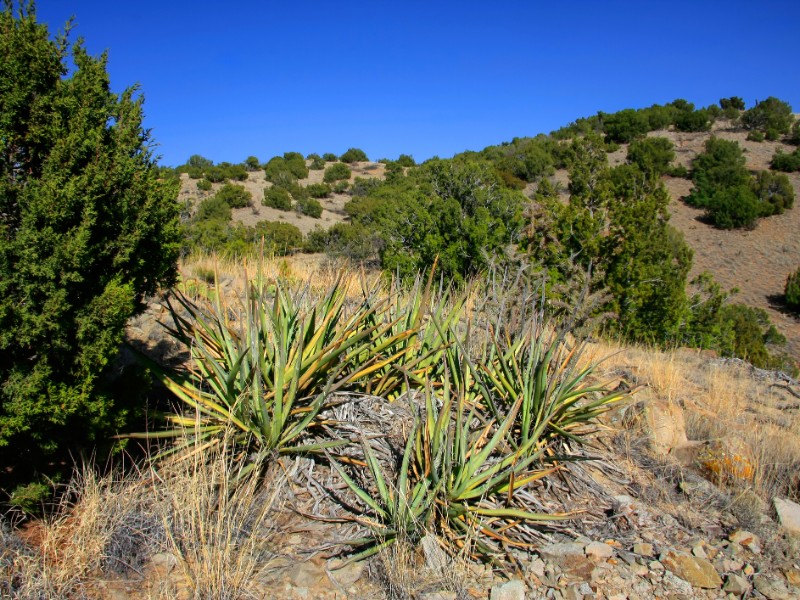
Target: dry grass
(723, 402)
(183, 532)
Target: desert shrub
(277, 197)
(318, 190)
(769, 114)
(755, 136)
(698, 120)
(364, 186)
(296, 164)
(354, 155)
(317, 162)
(88, 230)
(309, 207)
(734, 102)
(733, 207)
(213, 208)
(772, 135)
(281, 238)
(277, 171)
(623, 126)
(678, 171)
(788, 163)
(199, 162)
(341, 187)
(792, 290)
(330, 157)
(354, 242)
(746, 333)
(720, 165)
(204, 185)
(234, 195)
(774, 191)
(406, 160)
(794, 135)
(336, 172)
(251, 163)
(652, 154)
(193, 172)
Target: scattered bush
(280, 238)
(721, 165)
(317, 162)
(698, 120)
(734, 102)
(234, 195)
(309, 207)
(296, 164)
(788, 163)
(792, 290)
(652, 155)
(733, 207)
(341, 187)
(354, 155)
(329, 157)
(624, 126)
(794, 136)
(774, 191)
(318, 190)
(251, 163)
(88, 230)
(755, 136)
(406, 161)
(336, 172)
(213, 208)
(204, 185)
(277, 197)
(770, 114)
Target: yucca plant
(269, 366)
(456, 479)
(541, 371)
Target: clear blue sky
(227, 80)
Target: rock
(439, 596)
(726, 460)
(306, 575)
(699, 551)
(537, 567)
(435, 557)
(511, 590)
(162, 564)
(569, 557)
(792, 576)
(662, 422)
(747, 540)
(643, 549)
(788, 515)
(680, 585)
(748, 570)
(577, 591)
(345, 575)
(697, 571)
(598, 551)
(736, 584)
(772, 587)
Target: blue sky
(227, 80)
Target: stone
(726, 460)
(788, 515)
(537, 567)
(743, 538)
(662, 422)
(736, 584)
(162, 564)
(748, 570)
(307, 575)
(771, 587)
(643, 549)
(569, 557)
(345, 575)
(435, 557)
(699, 572)
(792, 576)
(699, 551)
(439, 596)
(678, 584)
(598, 551)
(511, 590)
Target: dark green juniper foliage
(87, 230)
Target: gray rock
(788, 515)
(435, 557)
(736, 584)
(569, 557)
(511, 590)
(598, 551)
(439, 596)
(643, 549)
(772, 587)
(306, 575)
(345, 575)
(697, 571)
